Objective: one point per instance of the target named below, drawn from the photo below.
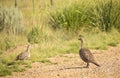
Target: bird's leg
(87, 66)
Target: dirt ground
(71, 66)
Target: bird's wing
(88, 55)
(20, 56)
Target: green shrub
(105, 15)
(11, 20)
(9, 43)
(4, 71)
(100, 14)
(6, 43)
(34, 35)
(69, 18)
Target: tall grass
(87, 17)
(11, 25)
(105, 14)
(101, 14)
(11, 20)
(69, 18)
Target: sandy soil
(71, 66)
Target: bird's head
(80, 38)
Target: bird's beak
(79, 39)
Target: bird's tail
(96, 64)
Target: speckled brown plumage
(24, 55)
(85, 54)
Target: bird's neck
(28, 50)
(82, 44)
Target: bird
(86, 54)
(25, 54)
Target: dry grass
(71, 66)
(57, 42)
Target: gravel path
(71, 66)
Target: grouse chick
(25, 54)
